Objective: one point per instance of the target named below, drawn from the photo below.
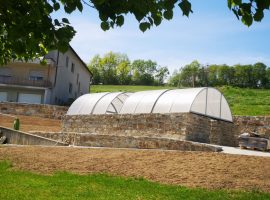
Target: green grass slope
(23, 185)
(243, 101)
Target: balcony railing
(25, 82)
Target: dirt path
(195, 169)
(30, 123)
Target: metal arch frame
(192, 101)
(205, 114)
(98, 101)
(105, 93)
(154, 105)
(154, 102)
(113, 100)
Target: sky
(211, 35)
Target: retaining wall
(22, 138)
(176, 126)
(94, 140)
(39, 110)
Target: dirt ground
(193, 169)
(30, 123)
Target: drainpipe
(56, 70)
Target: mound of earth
(192, 169)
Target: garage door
(3, 96)
(29, 98)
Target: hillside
(243, 101)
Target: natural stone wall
(260, 124)
(222, 132)
(39, 110)
(22, 138)
(176, 126)
(94, 140)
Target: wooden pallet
(254, 143)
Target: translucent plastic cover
(205, 101)
(98, 103)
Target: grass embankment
(63, 185)
(243, 101)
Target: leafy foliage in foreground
(242, 101)
(28, 30)
(22, 185)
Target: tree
(243, 75)
(112, 68)
(174, 80)
(161, 74)
(189, 75)
(124, 73)
(28, 30)
(95, 68)
(259, 78)
(143, 72)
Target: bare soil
(30, 123)
(193, 169)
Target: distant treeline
(117, 69)
(245, 76)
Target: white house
(64, 78)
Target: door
(29, 98)
(3, 96)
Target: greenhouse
(204, 101)
(98, 103)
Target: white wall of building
(65, 77)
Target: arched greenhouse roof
(98, 103)
(205, 101)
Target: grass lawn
(125, 88)
(242, 101)
(16, 184)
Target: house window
(77, 78)
(36, 75)
(36, 78)
(5, 76)
(70, 88)
(5, 72)
(72, 67)
(67, 61)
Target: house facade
(64, 78)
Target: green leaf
(65, 20)
(185, 6)
(236, 13)
(103, 16)
(230, 4)
(143, 26)
(56, 22)
(120, 20)
(56, 6)
(258, 16)
(80, 6)
(168, 14)
(105, 26)
(139, 16)
(150, 20)
(157, 19)
(247, 19)
(236, 2)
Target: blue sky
(211, 35)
